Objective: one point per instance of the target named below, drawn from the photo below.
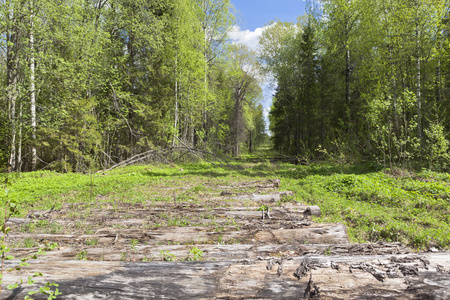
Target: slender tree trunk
(205, 54)
(439, 82)
(32, 96)
(176, 94)
(237, 120)
(418, 93)
(347, 75)
(347, 85)
(250, 144)
(19, 151)
(12, 81)
(394, 93)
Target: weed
(92, 242)
(194, 254)
(56, 228)
(123, 256)
(220, 239)
(263, 208)
(133, 244)
(89, 230)
(167, 256)
(29, 243)
(82, 255)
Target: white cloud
(266, 112)
(247, 37)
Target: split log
(271, 198)
(212, 252)
(326, 277)
(109, 218)
(313, 234)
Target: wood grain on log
(246, 279)
(214, 252)
(313, 234)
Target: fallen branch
(132, 160)
(198, 152)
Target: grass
(412, 208)
(375, 204)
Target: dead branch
(132, 160)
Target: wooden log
(292, 213)
(313, 234)
(271, 198)
(211, 252)
(327, 277)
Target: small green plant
(263, 208)
(220, 239)
(29, 243)
(89, 230)
(92, 242)
(56, 228)
(167, 256)
(133, 244)
(194, 254)
(123, 256)
(82, 255)
(46, 290)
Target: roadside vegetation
(375, 203)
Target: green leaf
(12, 286)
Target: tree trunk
(176, 94)
(32, 96)
(12, 81)
(19, 151)
(394, 93)
(347, 84)
(418, 93)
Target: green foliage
(194, 254)
(370, 75)
(263, 208)
(11, 208)
(375, 203)
(437, 146)
(167, 256)
(82, 255)
(380, 206)
(113, 79)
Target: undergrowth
(375, 204)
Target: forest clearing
(130, 150)
(252, 229)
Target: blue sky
(257, 13)
(253, 16)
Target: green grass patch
(374, 204)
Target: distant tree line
(363, 80)
(91, 83)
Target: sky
(253, 16)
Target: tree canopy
(362, 79)
(95, 82)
